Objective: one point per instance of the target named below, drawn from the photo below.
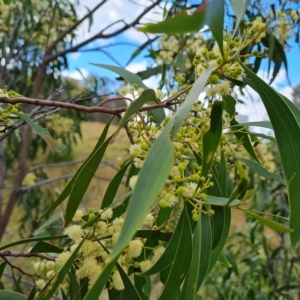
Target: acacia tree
(186, 173)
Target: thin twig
(17, 268)
(25, 254)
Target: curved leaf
(287, 131)
(83, 180)
(211, 139)
(222, 240)
(261, 170)
(181, 262)
(168, 256)
(113, 186)
(42, 247)
(267, 222)
(202, 241)
(35, 239)
(230, 103)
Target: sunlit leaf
(286, 128)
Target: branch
(25, 254)
(35, 111)
(92, 109)
(73, 27)
(102, 35)
(17, 268)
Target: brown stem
(25, 254)
(17, 268)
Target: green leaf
(178, 24)
(139, 283)
(261, 135)
(7, 2)
(35, 239)
(221, 201)
(261, 170)
(215, 20)
(168, 256)
(225, 221)
(31, 296)
(60, 274)
(217, 222)
(17, 283)
(148, 186)
(192, 97)
(267, 222)
(211, 139)
(42, 247)
(128, 76)
(83, 181)
(66, 192)
(161, 155)
(56, 216)
(8, 295)
(129, 292)
(286, 128)
(263, 124)
(113, 186)
(202, 241)
(230, 103)
(224, 261)
(149, 72)
(223, 175)
(239, 7)
(43, 133)
(182, 260)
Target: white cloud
(76, 74)
(137, 66)
(112, 11)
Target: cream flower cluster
(171, 46)
(59, 124)
(185, 180)
(99, 240)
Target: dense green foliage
(192, 168)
